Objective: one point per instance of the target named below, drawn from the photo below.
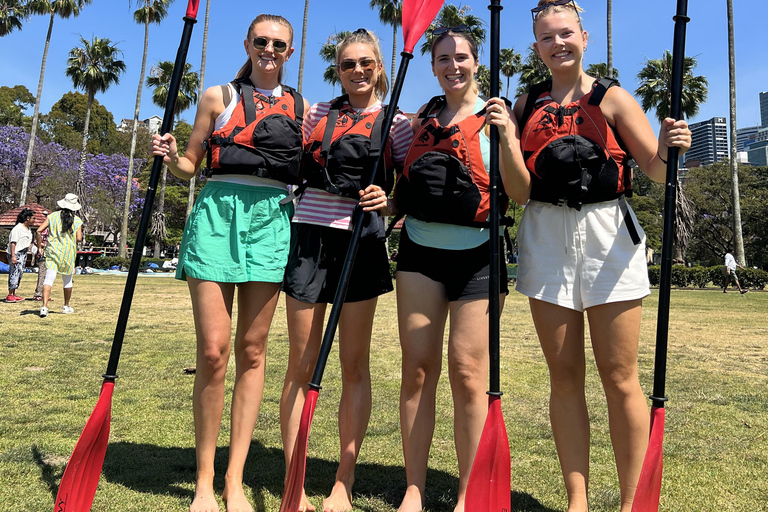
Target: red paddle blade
(81, 477)
(192, 7)
(489, 486)
(417, 15)
(649, 485)
(295, 482)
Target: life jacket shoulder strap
(433, 105)
(534, 92)
(330, 124)
(298, 104)
(601, 87)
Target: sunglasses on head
(536, 10)
(261, 43)
(444, 30)
(350, 65)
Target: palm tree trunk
(609, 37)
(506, 94)
(160, 215)
(80, 182)
(35, 116)
(134, 128)
(200, 89)
(303, 45)
(738, 240)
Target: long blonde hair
(247, 68)
(364, 36)
(551, 9)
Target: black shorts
(317, 256)
(464, 273)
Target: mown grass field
(716, 441)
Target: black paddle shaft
(357, 226)
(670, 200)
(146, 213)
(495, 284)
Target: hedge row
(699, 277)
(107, 262)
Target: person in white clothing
(19, 243)
(730, 273)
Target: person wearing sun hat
(64, 233)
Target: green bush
(752, 278)
(654, 275)
(109, 261)
(699, 276)
(392, 268)
(681, 276)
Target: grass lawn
(716, 446)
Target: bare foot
(305, 505)
(412, 501)
(234, 496)
(340, 499)
(204, 500)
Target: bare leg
(561, 334)
(615, 330)
(67, 295)
(212, 308)
(305, 331)
(468, 371)
(256, 307)
(422, 309)
(355, 327)
(46, 295)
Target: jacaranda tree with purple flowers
(53, 171)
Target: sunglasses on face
(458, 28)
(261, 43)
(350, 65)
(536, 10)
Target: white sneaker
(43, 312)
(67, 310)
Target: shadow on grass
(151, 469)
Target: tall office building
(710, 141)
(764, 109)
(744, 136)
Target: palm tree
(510, 63)
(192, 180)
(483, 77)
(452, 16)
(390, 13)
(93, 67)
(738, 239)
(609, 37)
(160, 79)
(63, 9)
(152, 11)
(655, 79)
(303, 42)
(654, 92)
(600, 70)
(328, 54)
(11, 14)
(532, 72)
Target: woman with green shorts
(237, 235)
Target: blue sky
(641, 29)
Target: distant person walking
(19, 243)
(41, 267)
(730, 273)
(64, 233)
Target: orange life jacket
(342, 149)
(444, 177)
(571, 151)
(262, 138)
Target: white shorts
(580, 258)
